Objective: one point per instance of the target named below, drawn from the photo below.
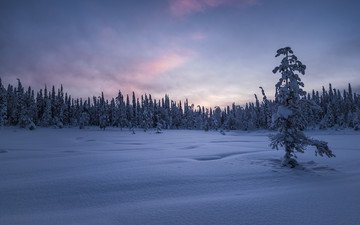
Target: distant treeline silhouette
(54, 108)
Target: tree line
(26, 108)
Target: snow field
(72, 176)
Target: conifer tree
(121, 116)
(84, 117)
(103, 116)
(128, 111)
(331, 109)
(288, 118)
(266, 111)
(24, 106)
(46, 117)
(3, 105)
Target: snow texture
(89, 176)
(283, 112)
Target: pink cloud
(164, 63)
(181, 8)
(143, 74)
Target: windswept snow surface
(72, 176)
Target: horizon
(211, 52)
(177, 101)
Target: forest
(20, 106)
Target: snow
(284, 112)
(73, 176)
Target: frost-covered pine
(3, 105)
(46, 117)
(216, 121)
(24, 108)
(264, 112)
(84, 119)
(356, 119)
(288, 118)
(158, 125)
(103, 120)
(103, 114)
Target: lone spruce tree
(288, 119)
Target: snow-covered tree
(331, 109)
(265, 115)
(24, 108)
(356, 119)
(46, 117)
(3, 105)
(288, 118)
(84, 119)
(158, 126)
(121, 111)
(216, 118)
(103, 116)
(147, 114)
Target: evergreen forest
(24, 107)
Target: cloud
(139, 74)
(164, 63)
(182, 8)
(88, 66)
(142, 74)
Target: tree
(84, 119)
(24, 107)
(103, 117)
(121, 111)
(3, 105)
(266, 111)
(46, 117)
(288, 118)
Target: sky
(212, 52)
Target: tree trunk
(287, 159)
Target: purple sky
(213, 52)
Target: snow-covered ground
(72, 176)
